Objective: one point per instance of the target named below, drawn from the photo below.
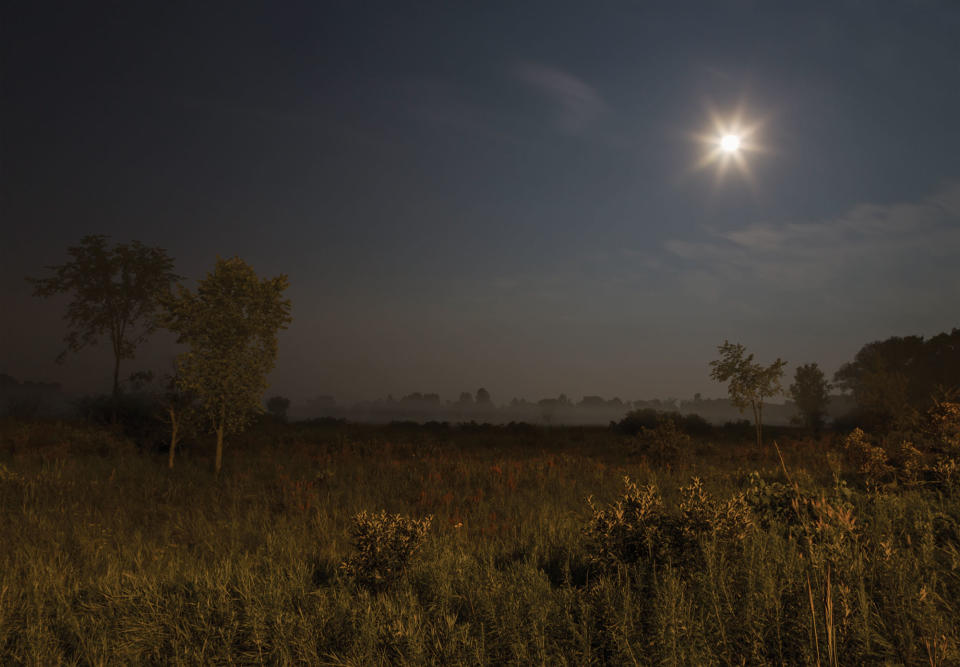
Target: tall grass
(109, 557)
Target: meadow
(537, 551)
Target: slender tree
(747, 383)
(178, 412)
(230, 325)
(115, 292)
(811, 392)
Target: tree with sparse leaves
(230, 325)
(747, 383)
(811, 392)
(115, 292)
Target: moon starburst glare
(729, 142)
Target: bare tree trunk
(116, 388)
(220, 427)
(759, 424)
(174, 435)
(756, 422)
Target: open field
(108, 557)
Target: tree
(230, 325)
(483, 397)
(115, 293)
(811, 392)
(278, 406)
(894, 381)
(748, 383)
(178, 412)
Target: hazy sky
(495, 194)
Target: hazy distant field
(108, 557)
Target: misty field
(538, 551)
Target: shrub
(638, 527)
(943, 425)
(664, 443)
(136, 414)
(740, 429)
(701, 515)
(277, 407)
(772, 502)
(908, 462)
(55, 439)
(869, 460)
(630, 530)
(647, 418)
(946, 472)
(385, 543)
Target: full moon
(730, 143)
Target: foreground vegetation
(538, 550)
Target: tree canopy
(811, 392)
(748, 384)
(894, 380)
(115, 292)
(230, 325)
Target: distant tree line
(229, 327)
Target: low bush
(385, 544)
(639, 528)
(647, 418)
(663, 444)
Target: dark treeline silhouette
(894, 381)
(28, 400)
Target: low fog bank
(590, 410)
(27, 399)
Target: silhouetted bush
(57, 439)
(277, 407)
(138, 417)
(648, 418)
(663, 444)
(737, 430)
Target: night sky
(503, 195)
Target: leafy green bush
(385, 544)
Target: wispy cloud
(578, 102)
(896, 249)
